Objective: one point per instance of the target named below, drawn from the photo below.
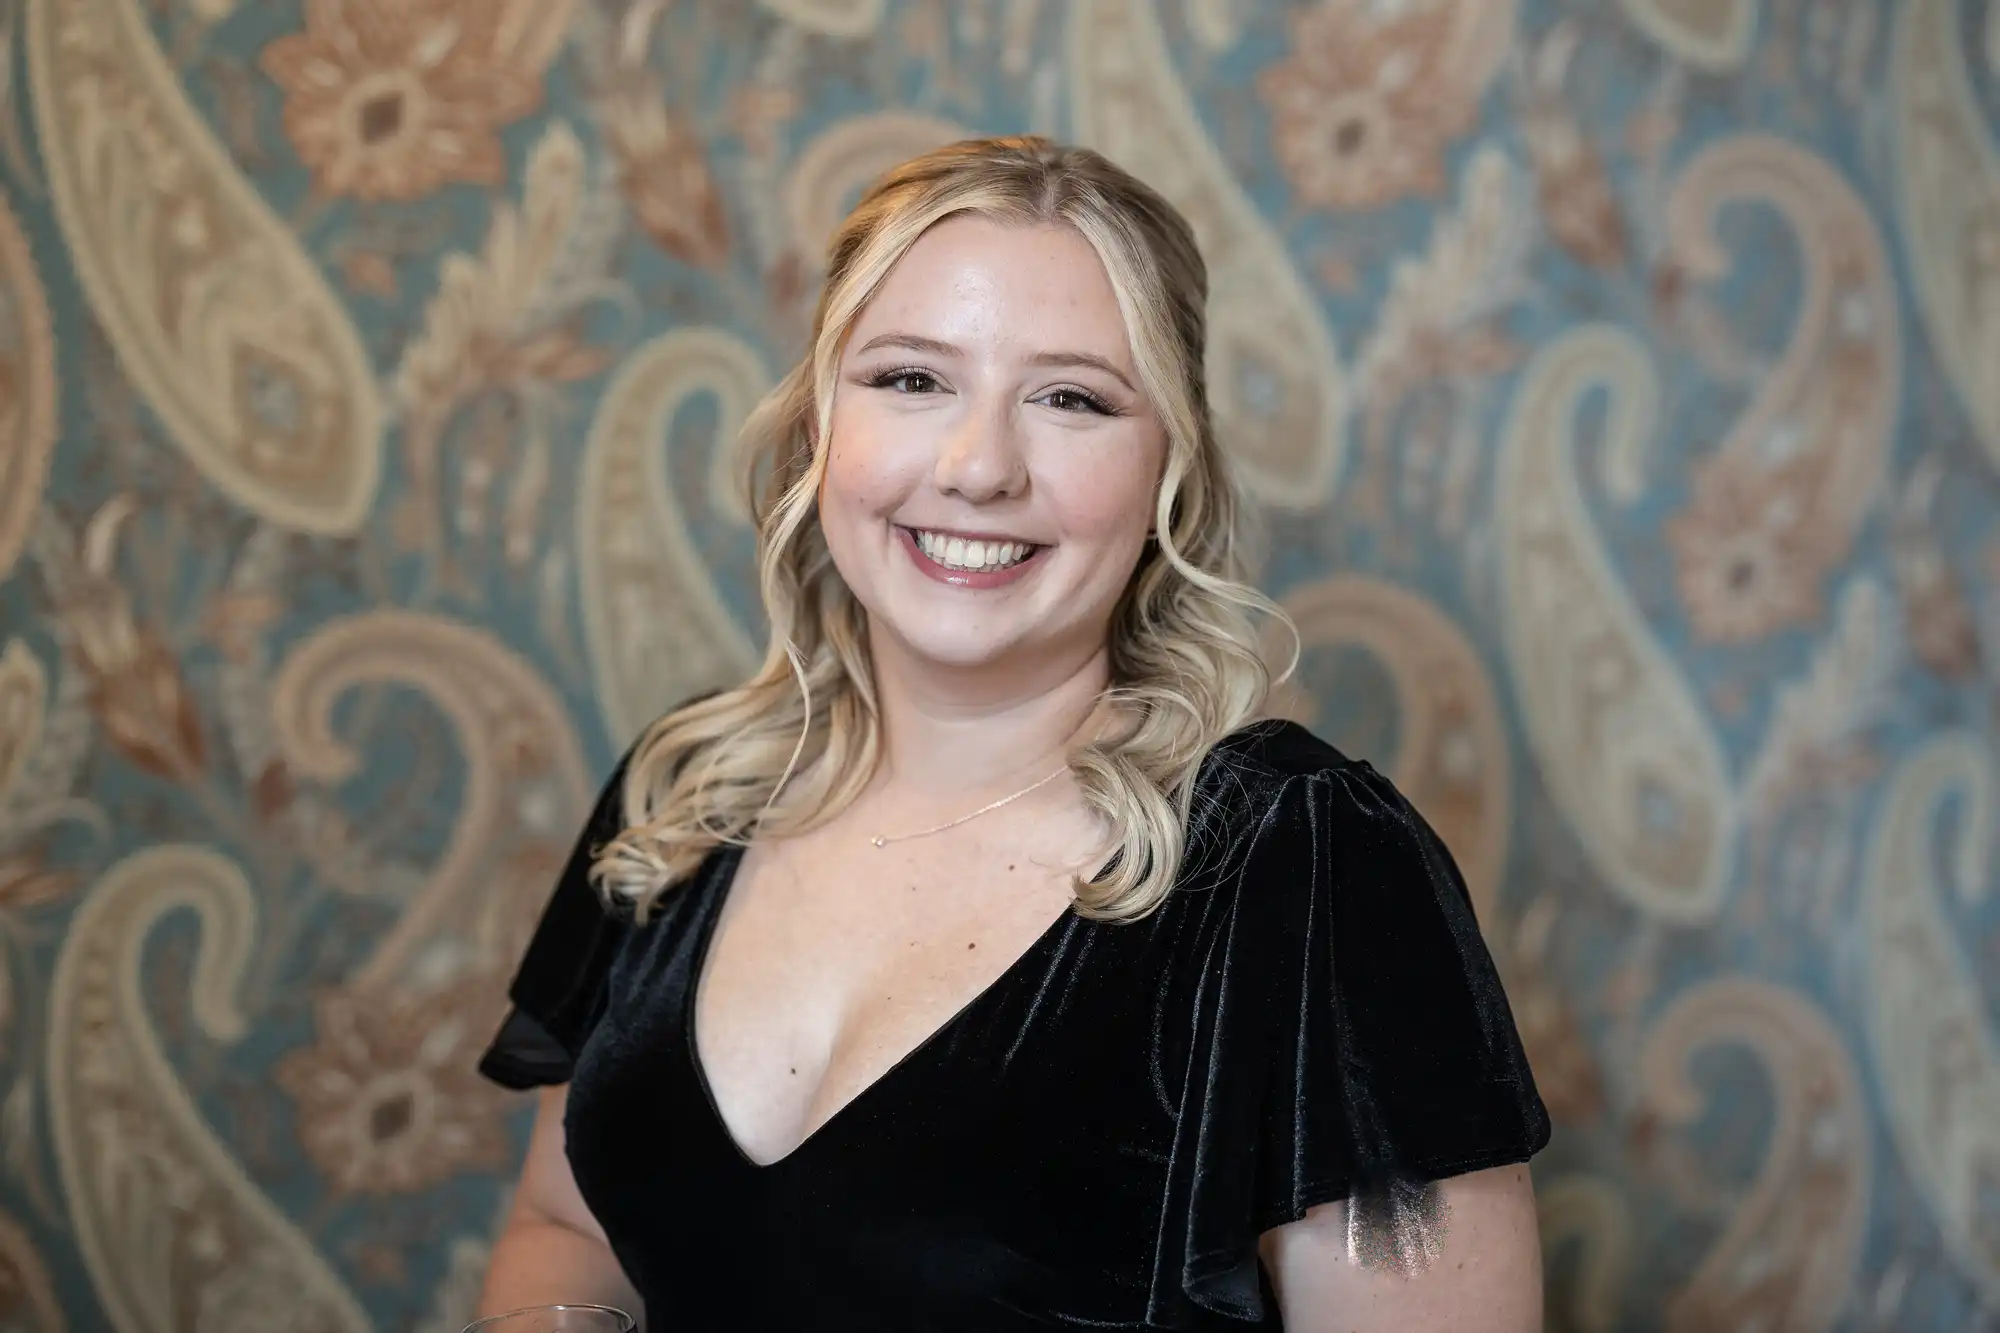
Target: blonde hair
(797, 742)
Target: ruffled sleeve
(1349, 1036)
(558, 993)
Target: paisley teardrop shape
(655, 620)
(1777, 504)
(525, 780)
(1789, 1252)
(174, 1234)
(218, 316)
(1625, 750)
(1929, 1022)
(1275, 377)
(1948, 190)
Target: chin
(970, 651)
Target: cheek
(1108, 501)
(842, 486)
(865, 472)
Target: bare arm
(1467, 1259)
(552, 1251)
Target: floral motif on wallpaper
(1616, 382)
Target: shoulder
(1269, 752)
(1336, 1020)
(1273, 797)
(1276, 748)
(1248, 774)
(1301, 858)
(1274, 760)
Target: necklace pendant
(879, 840)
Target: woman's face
(992, 462)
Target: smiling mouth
(971, 557)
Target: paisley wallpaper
(1619, 381)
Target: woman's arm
(552, 1251)
(1471, 1263)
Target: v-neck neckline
(718, 899)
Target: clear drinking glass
(556, 1319)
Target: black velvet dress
(1098, 1138)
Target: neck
(947, 731)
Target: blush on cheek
(837, 485)
(1115, 511)
(853, 479)
(858, 501)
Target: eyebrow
(915, 342)
(1089, 359)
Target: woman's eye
(907, 381)
(1075, 400)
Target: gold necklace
(884, 839)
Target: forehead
(973, 281)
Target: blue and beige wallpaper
(1618, 381)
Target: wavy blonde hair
(793, 745)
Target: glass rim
(625, 1321)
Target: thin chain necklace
(884, 839)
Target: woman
(982, 962)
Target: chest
(1015, 1159)
(833, 960)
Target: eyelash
(1091, 402)
(887, 378)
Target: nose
(981, 459)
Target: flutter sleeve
(558, 992)
(1349, 1038)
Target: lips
(973, 563)
(970, 555)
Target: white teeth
(958, 553)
